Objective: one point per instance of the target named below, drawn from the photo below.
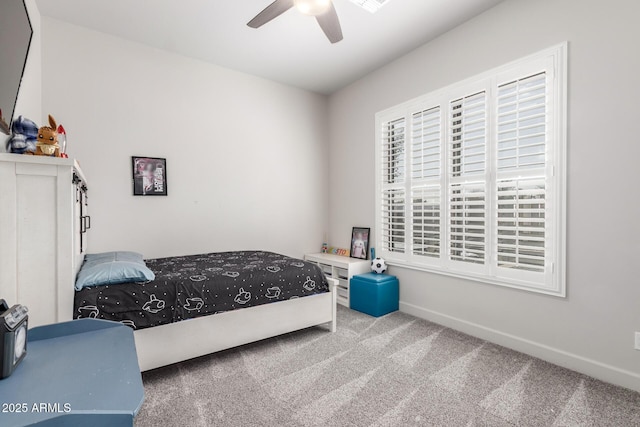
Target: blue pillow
(112, 268)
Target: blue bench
(79, 373)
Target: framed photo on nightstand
(360, 242)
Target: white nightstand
(341, 268)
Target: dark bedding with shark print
(199, 285)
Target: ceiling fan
(323, 10)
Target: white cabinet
(340, 268)
(43, 213)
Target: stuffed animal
(24, 135)
(47, 144)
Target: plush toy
(24, 135)
(47, 144)
(62, 140)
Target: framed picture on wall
(360, 242)
(149, 176)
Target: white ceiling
(290, 49)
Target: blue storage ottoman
(374, 294)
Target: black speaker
(13, 337)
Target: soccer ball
(378, 266)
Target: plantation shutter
(393, 186)
(521, 224)
(521, 173)
(425, 214)
(467, 232)
(425, 145)
(426, 136)
(470, 179)
(467, 179)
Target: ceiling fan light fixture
(312, 7)
(322, 10)
(370, 5)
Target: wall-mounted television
(15, 33)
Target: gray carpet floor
(395, 370)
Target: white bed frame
(48, 290)
(175, 342)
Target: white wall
(246, 158)
(29, 102)
(592, 329)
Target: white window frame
(552, 281)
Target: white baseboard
(586, 366)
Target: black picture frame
(359, 242)
(149, 176)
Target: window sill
(507, 283)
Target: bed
(205, 303)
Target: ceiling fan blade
(330, 24)
(270, 12)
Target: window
(471, 178)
